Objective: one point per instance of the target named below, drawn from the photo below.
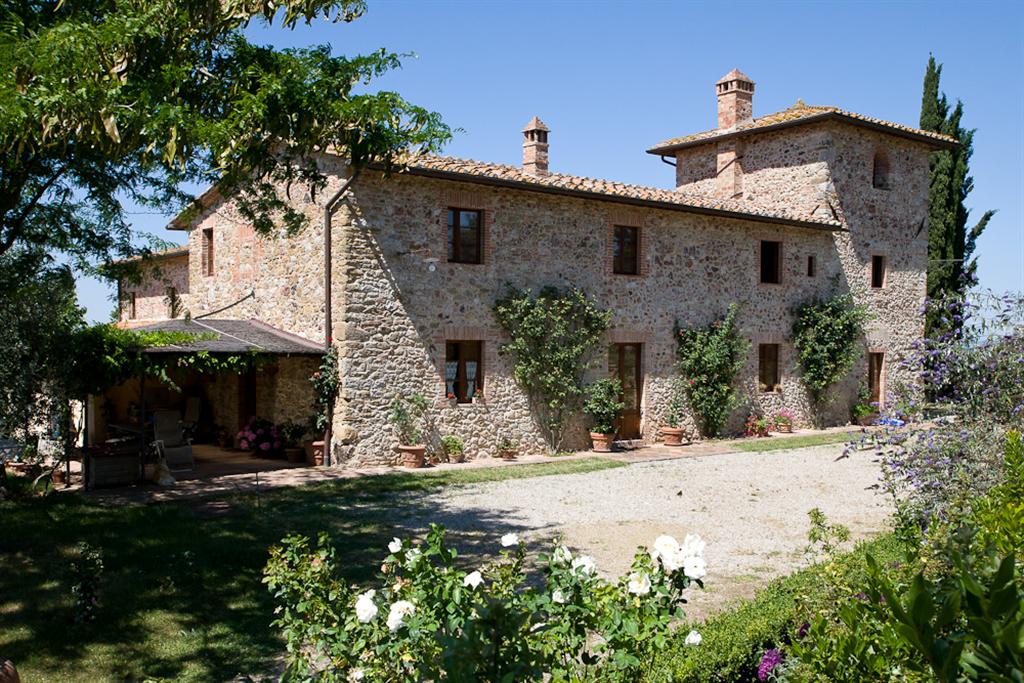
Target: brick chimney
(535, 148)
(735, 93)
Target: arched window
(880, 171)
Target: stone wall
(403, 300)
(397, 299)
(151, 297)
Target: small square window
(877, 271)
(768, 367)
(812, 266)
(463, 370)
(771, 262)
(626, 250)
(465, 237)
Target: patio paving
(223, 472)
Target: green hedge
(733, 641)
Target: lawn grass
(181, 596)
(785, 443)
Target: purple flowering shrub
(967, 392)
(260, 436)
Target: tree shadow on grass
(182, 596)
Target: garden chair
(171, 442)
(191, 420)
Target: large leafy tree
(106, 104)
(39, 319)
(951, 243)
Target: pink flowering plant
(782, 419)
(429, 619)
(260, 436)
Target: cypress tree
(950, 244)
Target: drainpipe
(329, 207)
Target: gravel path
(751, 508)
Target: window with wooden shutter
(626, 250)
(207, 251)
(464, 370)
(771, 262)
(465, 236)
(768, 367)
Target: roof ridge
(611, 188)
(799, 112)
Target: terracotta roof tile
(560, 182)
(166, 253)
(798, 113)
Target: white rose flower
(395, 545)
(693, 638)
(558, 598)
(664, 546)
(399, 611)
(562, 555)
(695, 567)
(585, 564)
(639, 584)
(693, 546)
(355, 675)
(509, 540)
(366, 609)
(413, 556)
(473, 579)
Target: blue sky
(612, 78)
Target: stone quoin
(419, 258)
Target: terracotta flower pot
(674, 436)
(57, 478)
(784, 428)
(315, 453)
(456, 457)
(507, 453)
(412, 456)
(602, 442)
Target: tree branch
(14, 227)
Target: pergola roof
(232, 336)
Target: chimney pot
(535, 148)
(735, 93)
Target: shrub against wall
(826, 335)
(553, 339)
(709, 359)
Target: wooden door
(875, 363)
(624, 364)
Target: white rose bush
(428, 619)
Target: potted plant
(292, 433)
(453, 448)
(506, 449)
(673, 431)
(782, 421)
(863, 411)
(603, 406)
(407, 415)
(261, 437)
(755, 425)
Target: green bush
(826, 335)
(603, 405)
(709, 359)
(733, 641)
(430, 620)
(553, 339)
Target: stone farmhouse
(767, 212)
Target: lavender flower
(769, 660)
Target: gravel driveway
(751, 508)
